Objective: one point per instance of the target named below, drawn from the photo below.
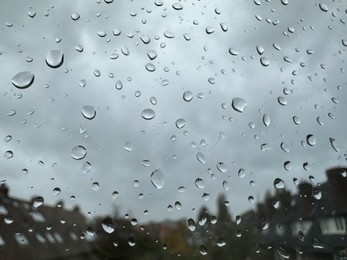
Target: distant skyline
(285, 62)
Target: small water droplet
(95, 186)
(316, 193)
(317, 244)
(157, 178)
(55, 58)
(32, 14)
(296, 120)
(284, 2)
(265, 147)
(115, 194)
(88, 112)
(239, 104)
(169, 35)
(260, 49)
(233, 51)
(125, 50)
(86, 167)
(344, 42)
(224, 27)
(209, 30)
(251, 199)
(79, 48)
(23, 79)
(187, 96)
(203, 250)
(78, 152)
(226, 186)
(128, 146)
(148, 114)
(278, 183)
(283, 252)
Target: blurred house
(313, 226)
(44, 232)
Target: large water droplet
(311, 140)
(107, 225)
(177, 6)
(221, 167)
(56, 191)
(78, 152)
(37, 202)
(180, 123)
(287, 165)
(323, 7)
(264, 61)
(148, 114)
(296, 120)
(88, 112)
(131, 241)
(150, 67)
(55, 58)
(187, 96)
(344, 42)
(278, 183)
(95, 186)
(8, 220)
(239, 104)
(221, 242)
(260, 49)
(200, 183)
(333, 144)
(152, 54)
(282, 101)
(203, 250)
(201, 157)
(191, 224)
(233, 52)
(23, 79)
(8, 154)
(75, 16)
(157, 179)
(266, 120)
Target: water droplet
(119, 85)
(344, 42)
(239, 104)
(317, 244)
(283, 252)
(187, 96)
(152, 54)
(233, 52)
(226, 186)
(88, 112)
(169, 35)
(276, 46)
(55, 58)
(186, 36)
(145, 39)
(78, 152)
(266, 120)
(125, 50)
(90, 231)
(148, 114)
(86, 167)
(56, 191)
(260, 49)
(203, 250)
(153, 101)
(200, 183)
(333, 144)
(265, 147)
(201, 158)
(311, 140)
(282, 101)
(75, 16)
(150, 67)
(278, 183)
(115, 194)
(178, 205)
(264, 61)
(287, 165)
(107, 225)
(157, 179)
(128, 146)
(177, 6)
(316, 193)
(23, 79)
(251, 199)
(37, 202)
(32, 14)
(296, 120)
(224, 27)
(8, 154)
(180, 123)
(95, 186)
(11, 113)
(323, 7)
(306, 166)
(209, 30)
(221, 167)
(79, 48)
(191, 224)
(284, 2)
(8, 220)
(8, 138)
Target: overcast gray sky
(50, 132)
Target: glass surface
(173, 129)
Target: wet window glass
(187, 129)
